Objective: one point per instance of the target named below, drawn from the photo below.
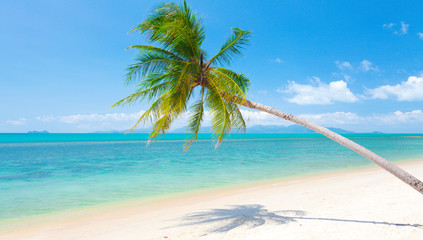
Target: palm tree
(177, 73)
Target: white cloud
(335, 118)
(347, 77)
(49, 118)
(112, 121)
(326, 119)
(402, 29)
(420, 35)
(99, 117)
(19, 122)
(388, 25)
(343, 65)
(95, 122)
(277, 60)
(410, 90)
(253, 118)
(397, 121)
(415, 116)
(336, 91)
(366, 66)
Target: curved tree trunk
(385, 164)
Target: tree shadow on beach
(255, 215)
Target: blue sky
(357, 65)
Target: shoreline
(53, 223)
(195, 192)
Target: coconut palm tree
(176, 76)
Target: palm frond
(167, 74)
(150, 114)
(149, 93)
(149, 62)
(154, 79)
(240, 79)
(174, 103)
(227, 86)
(237, 120)
(165, 52)
(195, 120)
(232, 47)
(176, 28)
(221, 122)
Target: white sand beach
(367, 203)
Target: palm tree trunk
(385, 164)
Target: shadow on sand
(252, 216)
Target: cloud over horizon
(76, 118)
(314, 93)
(397, 121)
(19, 122)
(410, 90)
(319, 93)
(352, 121)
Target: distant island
(290, 129)
(253, 129)
(271, 129)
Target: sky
(356, 65)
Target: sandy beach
(366, 203)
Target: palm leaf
(229, 89)
(237, 120)
(168, 73)
(176, 28)
(232, 46)
(240, 79)
(141, 95)
(165, 52)
(221, 122)
(195, 119)
(149, 62)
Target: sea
(45, 173)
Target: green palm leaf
(195, 120)
(148, 62)
(232, 47)
(168, 74)
(176, 28)
(158, 50)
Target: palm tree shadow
(250, 216)
(255, 215)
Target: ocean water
(42, 173)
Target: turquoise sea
(42, 173)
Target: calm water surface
(41, 173)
